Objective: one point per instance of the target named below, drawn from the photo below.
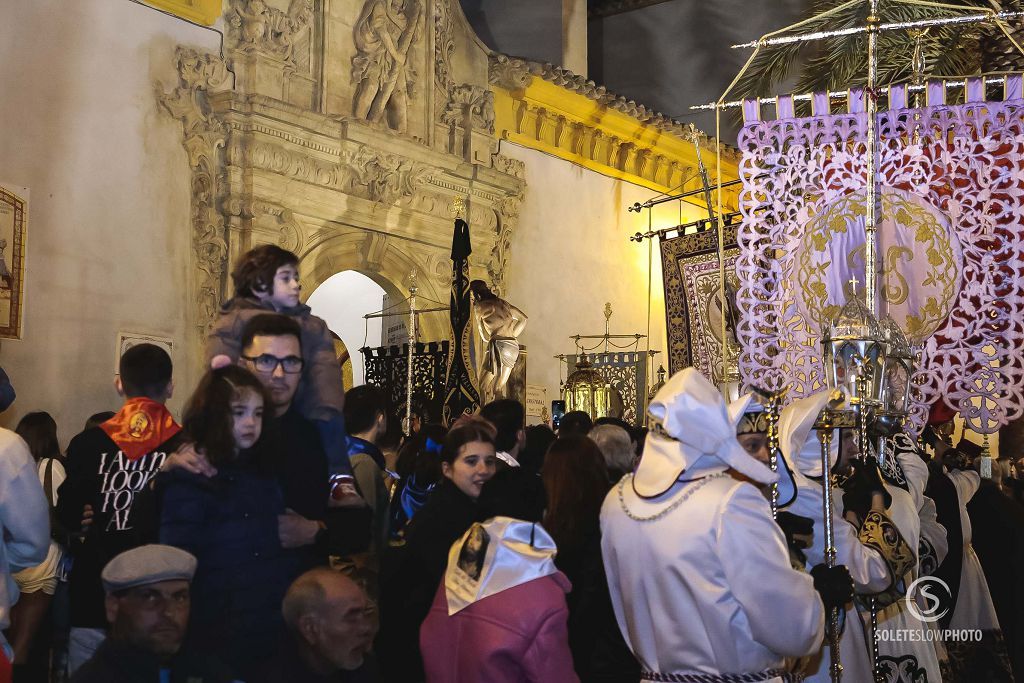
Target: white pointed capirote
(691, 431)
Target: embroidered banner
(950, 249)
(693, 307)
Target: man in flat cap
(147, 605)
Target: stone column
(574, 36)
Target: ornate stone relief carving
(508, 219)
(255, 27)
(387, 177)
(382, 72)
(378, 176)
(470, 103)
(287, 230)
(269, 165)
(444, 47)
(510, 73)
(512, 167)
(204, 136)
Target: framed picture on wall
(126, 340)
(13, 229)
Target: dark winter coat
(599, 652)
(118, 662)
(411, 574)
(229, 522)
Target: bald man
(331, 628)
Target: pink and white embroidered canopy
(950, 243)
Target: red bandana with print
(141, 425)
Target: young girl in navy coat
(229, 522)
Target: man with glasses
(272, 350)
(147, 605)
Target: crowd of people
(285, 530)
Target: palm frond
(841, 62)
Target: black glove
(794, 526)
(862, 485)
(834, 585)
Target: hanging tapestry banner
(693, 307)
(949, 244)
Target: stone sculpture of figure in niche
(500, 324)
(384, 78)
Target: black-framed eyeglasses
(267, 363)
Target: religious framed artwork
(13, 230)
(693, 306)
(126, 340)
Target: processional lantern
(657, 385)
(586, 390)
(610, 382)
(855, 354)
(897, 371)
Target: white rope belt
(768, 675)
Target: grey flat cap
(147, 564)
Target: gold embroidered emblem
(138, 425)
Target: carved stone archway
(305, 134)
(391, 272)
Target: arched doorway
(342, 300)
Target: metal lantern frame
(587, 390)
(855, 353)
(897, 372)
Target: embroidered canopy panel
(693, 303)
(950, 253)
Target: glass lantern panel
(894, 393)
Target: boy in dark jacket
(106, 467)
(267, 280)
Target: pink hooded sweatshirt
(517, 635)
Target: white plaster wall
(342, 301)
(571, 253)
(108, 233)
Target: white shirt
(707, 587)
(24, 516)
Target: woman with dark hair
(538, 440)
(413, 570)
(230, 522)
(576, 481)
(419, 471)
(38, 584)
